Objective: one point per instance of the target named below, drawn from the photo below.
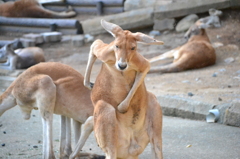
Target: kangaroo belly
(131, 143)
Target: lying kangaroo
(52, 88)
(31, 8)
(20, 58)
(213, 19)
(126, 116)
(196, 53)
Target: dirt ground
(216, 84)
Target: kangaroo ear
(140, 37)
(200, 24)
(111, 28)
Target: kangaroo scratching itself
(196, 53)
(126, 116)
(33, 9)
(53, 88)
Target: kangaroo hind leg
(105, 128)
(154, 127)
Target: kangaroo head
(125, 43)
(214, 12)
(196, 29)
(4, 52)
(8, 49)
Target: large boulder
(185, 23)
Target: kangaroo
(33, 9)
(213, 19)
(53, 88)
(126, 116)
(20, 58)
(198, 52)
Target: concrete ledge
(174, 10)
(128, 20)
(184, 108)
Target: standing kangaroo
(53, 88)
(31, 8)
(20, 58)
(126, 116)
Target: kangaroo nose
(122, 66)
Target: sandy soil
(217, 84)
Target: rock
(185, 23)
(78, 40)
(88, 38)
(190, 94)
(217, 44)
(154, 33)
(229, 60)
(165, 24)
(232, 115)
(52, 36)
(37, 38)
(214, 75)
(27, 42)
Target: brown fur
(31, 8)
(25, 55)
(196, 53)
(126, 116)
(52, 88)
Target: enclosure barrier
(39, 25)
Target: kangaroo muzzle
(121, 65)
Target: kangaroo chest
(112, 85)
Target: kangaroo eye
(117, 46)
(133, 48)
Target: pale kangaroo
(126, 116)
(198, 52)
(20, 58)
(53, 88)
(33, 9)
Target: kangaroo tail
(7, 101)
(173, 67)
